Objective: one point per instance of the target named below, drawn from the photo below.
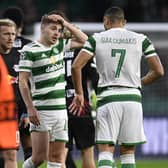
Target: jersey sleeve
(90, 45)
(26, 60)
(148, 48)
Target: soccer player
(16, 14)
(81, 128)
(42, 62)
(9, 139)
(118, 54)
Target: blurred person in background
(16, 14)
(30, 14)
(81, 129)
(118, 54)
(42, 63)
(9, 140)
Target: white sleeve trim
(89, 52)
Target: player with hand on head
(42, 63)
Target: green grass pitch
(140, 164)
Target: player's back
(118, 57)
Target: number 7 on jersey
(114, 53)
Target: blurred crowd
(91, 11)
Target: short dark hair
(15, 14)
(58, 12)
(46, 20)
(114, 13)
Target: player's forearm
(76, 78)
(25, 92)
(156, 70)
(150, 77)
(78, 34)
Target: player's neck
(117, 24)
(44, 42)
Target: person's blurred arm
(92, 73)
(156, 70)
(79, 62)
(25, 92)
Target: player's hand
(24, 120)
(57, 18)
(33, 116)
(77, 104)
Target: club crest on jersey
(55, 50)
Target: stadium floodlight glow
(157, 31)
(142, 27)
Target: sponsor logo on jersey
(53, 60)
(54, 68)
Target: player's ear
(108, 21)
(124, 22)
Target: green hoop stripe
(105, 163)
(105, 142)
(42, 69)
(50, 95)
(133, 144)
(118, 98)
(50, 82)
(57, 107)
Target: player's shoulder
(24, 40)
(105, 33)
(31, 46)
(98, 35)
(136, 34)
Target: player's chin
(9, 46)
(53, 42)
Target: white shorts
(120, 122)
(57, 127)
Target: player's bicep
(76, 44)
(82, 58)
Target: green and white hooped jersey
(118, 53)
(46, 66)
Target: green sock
(105, 160)
(128, 161)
